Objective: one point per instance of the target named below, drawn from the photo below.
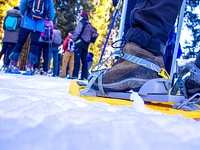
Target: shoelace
(122, 44)
(120, 47)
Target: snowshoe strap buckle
(164, 74)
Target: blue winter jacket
(33, 24)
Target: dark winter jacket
(12, 36)
(77, 34)
(114, 2)
(79, 28)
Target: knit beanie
(84, 14)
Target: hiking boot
(29, 69)
(45, 73)
(71, 78)
(192, 83)
(6, 67)
(12, 68)
(125, 75)
(36, 71)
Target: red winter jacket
(65, 43)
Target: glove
(114, 2)
(60, 49)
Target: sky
(38, 113)
(186, 34)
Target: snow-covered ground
(38, 113)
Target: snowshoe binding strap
(92, 79)
(100, 86)
(189, 104)
(145, 63)
(2, 68)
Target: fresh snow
(38, 113)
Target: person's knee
(84, 62)
(21, 42)
(34, 43)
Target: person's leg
(8, 52)
(4, 48)
(23, 35)
(130, 6)
(65, 61)
(84, 73)
(33, 57)
(55, 60)
(14, 56)
(59, 63)
(51, 57)
(151, 24)
(146, 39)
(33, 53)
(71, 64)
(46, 57)
(77, 55)
(39, 53)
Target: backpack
(11, 23)
(89, 34)
(37, 9)
(71, 45)
(57, 39)
(47, 34)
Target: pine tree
(192, 21)
(67, 13)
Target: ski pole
(110, 29)
(123, 17)
(49, 51)
(178, 34)
(1, 67)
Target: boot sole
(124, 85)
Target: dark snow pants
(22, 37)
(151, 23)
(80, 54)
(131, 4)
(7, 50)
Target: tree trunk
(24, 54)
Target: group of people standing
(147, 31)
(45, 40)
